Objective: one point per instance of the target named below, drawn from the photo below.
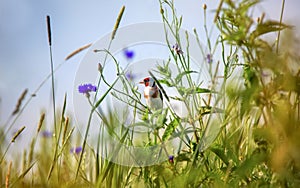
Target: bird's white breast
(153, 103)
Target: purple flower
(130, 76)
(209, 58)
(129, 54)
(171, 159)
(76, 150)
(47, 134)
(177, 49)
(86, 88)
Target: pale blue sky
(24, 53)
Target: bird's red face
(146, 81)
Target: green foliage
(241, 131)
(170, 129)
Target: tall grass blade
(52, 71)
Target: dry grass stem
(77, 51)
(17, 134)
(41, 122)
(8, 175)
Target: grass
(241, 130)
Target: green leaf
(210, 133)
(188, 91)
(140, 124)
(181, 90)
(179, 76)
(166, 82)
(170, 129)
(220, 153)
(203, 90)
(184, 157)
(267, 27)
(161, 120)
(250, 163)
(208, 110)
(246, 5)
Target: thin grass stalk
(119, 74)
(17, 109)
(68, 137)
(77, 51)
(176, 35)
(24, 161)
(12, 141)
(108, 48)
(65, 130)
(280, 21)
(55, 157)
(198, 42)
(110, 164)
(7, 178)
(97, 162)
(127, 178)
(62, 121)
(184, 63)
(218, 10)
(32, 96)
(206, 31)
(89, 123)
(52, 72)
(37, 90)
(31, 150)
(21, 176)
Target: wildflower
(209, 58)
(86, 89)
(47, 134)
(129, 54)
(76, 150)
(177, 49)
(171, 159)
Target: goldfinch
(152, 94)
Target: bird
(152, 94)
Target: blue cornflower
(129, 54)
(171, 159)
(86, 88)
(76, 150)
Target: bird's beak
(141, 82)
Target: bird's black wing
(160, 95)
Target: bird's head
(148, 81)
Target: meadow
(239, 130)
